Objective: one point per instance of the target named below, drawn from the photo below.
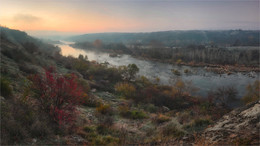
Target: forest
(195, 54)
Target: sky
(94, 16)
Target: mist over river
(202, 79)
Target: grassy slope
(106, 117)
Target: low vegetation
(252, 94)
(47, 98)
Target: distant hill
(178, 38)
(21, 38)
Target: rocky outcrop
(241, 126)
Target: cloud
(27, 18)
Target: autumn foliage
(125, 89)
(58, 95)
(252, 93)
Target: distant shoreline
(217, 68)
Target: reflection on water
(200, 78)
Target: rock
(78, 139)
(114, 100)
(233, 135)
(95, 85)
(93, 90)
(165, 109)
(2, 98)
(238, 125)
(34, 140)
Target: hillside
(239, 126)
(49, 99)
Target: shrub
(179, 87)
(105, 140)
(6, 89)
(27, 69)
(135, 114)
(132, 114)
(129, 72)
(182, 88)
(252, 92)
(201, 122)
(80, 65)
(84, 85)
(123, 110)
(18, 55)
(187, 71)
(161, 119)
(176, 72)
(11, 130)
(224, 96)
(106, 121)
(125, 89)
(172, 130)
(104, 109)
(151, 108)
(91, 101)
(58, 95)
(30, 47)
(19, 121)
(110, 140)
(184, 117)
(198, 124)
(89, 129)
(179, 61)
(143, 81)
(103, 129)
(40, 129)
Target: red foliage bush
(58, 95)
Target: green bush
(84, 84)
(6, 89)
(131, 114)
(103, 129)
(176, 72)
(151, 108)
(104, 109)
(201, 122)
(105, 140)
(11, 130)
(125, 89)
(123, 110)
(135, 114)
(20, 121)
(17, 55)
(89, 129)
(161, 119)
(198, 124)
(27, 69)
(172, 130)
(110, 140)
(40, 129)
(252, 93)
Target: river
(205, 81)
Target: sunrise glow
(127, 16)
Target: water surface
(205, 81)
